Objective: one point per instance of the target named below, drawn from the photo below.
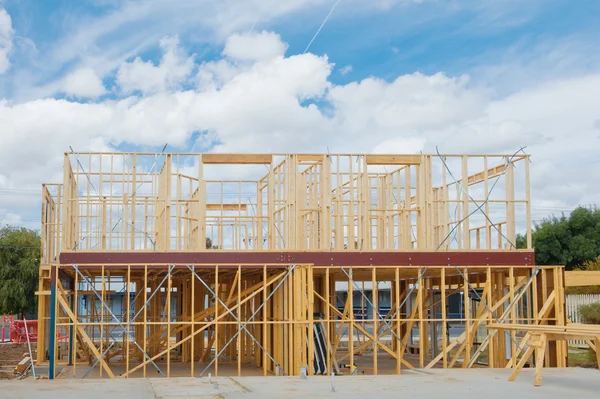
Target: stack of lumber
(23, 365)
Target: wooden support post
(375, 314)
(422, 335)
(467, 314)
(539, 359)
(398, 318)
(217, 316)
(327, 322)
(144, 324)
(528, 204)
(168, 314)
(102, 300)
(444, 317)
(510, 205)
(521, 363)
(191, 318)
(513, 314)
(466, 239)
(325, 218)
(310, 315)
(127, 316)
(351, 321)
(240, 333)
(53, 305)
(266, 328)
(492, 360)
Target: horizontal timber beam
(310, 157)
(317, 258)
(492, 172)
(408, 159)
(581, 278)
(230, 159)
(226, 207)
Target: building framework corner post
(71, 333)
(52, 343)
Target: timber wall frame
(141, 201)
(253, 263)
(256, 319)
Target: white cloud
(400, 145)
(289, 104)
(529, 63)
(105, 37)
(346, 70)
(255, 46)
(260, 108)
(412, 104)
(241, 53)
(259, 105)
(174, 67)
(213, 75)
(83, 83)
(116, 34)
(562, 116)
(6, 40)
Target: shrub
(590, 313)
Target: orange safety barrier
(18, 333)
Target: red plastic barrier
(18, 333)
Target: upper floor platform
(153, 202)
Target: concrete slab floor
(454, 383)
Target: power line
(322, 25)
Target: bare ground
(10, 355)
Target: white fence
(573, 304)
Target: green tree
(521, 241)
(19, 268)
(566, 240)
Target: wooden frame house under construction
(164, 264)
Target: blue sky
(465, 75)
(455, 37)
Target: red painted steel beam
(321, 258)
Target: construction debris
(15, 360)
